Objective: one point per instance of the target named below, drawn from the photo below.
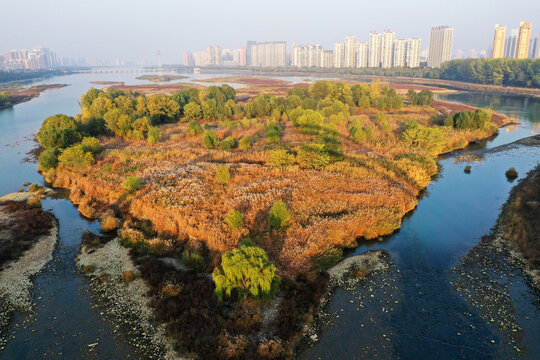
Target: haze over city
(135, 30)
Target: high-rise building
(307, 55)
(510, 44)
(413, 52)
(440, 45)
(400, 53)
(387, 48)
(534, 52)
(361, 54)
(267, 54)
(523, 40)
(350, 51)
(249, 51)
(188, 59)
(374, 53)
(339, 55)
(327, 60)
(498, 41)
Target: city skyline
(174, 27)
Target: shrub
(58, 122)
(193, 111)
(91, 144)
(153, 135)
(313, 156)
(279, 216)
(76, 157)
(59, 138)
(247, 272)
(194, 128)
(222, 175)
(449, 121)
(132, 183)
(511, 174)
(228, 143)
(110, 223)
(107, 167)
(234, 219)
(429, 139)
(210, 139)
(34, 202)
(48, 159)
(273, 132)
(280, 157)
(244, 143)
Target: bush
(244, 143)
(222, 175)
(210, 139)
(228, 143)
(91, 144)
(132, 183)
(313, 156)
(247, 272)
(76, 157)
(273, 132)
(110, 223)
(193, 111)
(194, 128)
(234, 219)
(59, 138)
(280, 157)
(511, 174)
(153, 135)
(48, 159)
(279, 216)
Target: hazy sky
(135, 29)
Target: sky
(133, 30)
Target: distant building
(440, 46)
(400, 53)
(510, 44)
(374, 53)
(36, 59)
(535, 48)
(339, 55)
(249, 51)
(327, 60)
(240, 56)
(498, 41)
(361, 54)
(523, 40)
(414, 46)
(350, 51)
(267, 54)
(188, 59)
(387, 48)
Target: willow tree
(247, 272)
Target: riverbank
(20, 95)
(33, 235)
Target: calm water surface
(421, 308)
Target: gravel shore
(126, 303)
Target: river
(421, 308)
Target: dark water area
(423, 307)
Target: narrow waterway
(424, 307)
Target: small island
(161, 78)
(234, 205)
(14, 95)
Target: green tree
(76, 157)
(247, 272)
(194, 128)
(59, 138)
(313, 156)
(244, 143)
(48, 159)
(222, 175)
(228, 143)
(234, 219)
(132, 183)
(154, 135)
(278, 216)
(280, 157)
(210, 139)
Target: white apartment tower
(361, 54)
(339, 55)
(400, 52)
(350, 51)
(387, 48)
(374, 54)
(327, 60)
(440, 45)
(413, 52)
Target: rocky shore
(16, 276)
(115, 280)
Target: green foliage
(5, 98)
(310, 122)
(76, 157)
(193, 259)
(194, 128)
(162, 108)
(59, 138)
(48, 159)
(59, 122)
(273, 132)
(359, 133)
(465, 120)
(154, 135)
(422, 98)
(244, 143)
(228, 143)
(247, 272)
(210, 139)
(234, 219)
(313, 156)
(382, 122)
(222, 175)
(449, 121)
(280, 157)
(91, 144)
(278, 216)
(193, 111)
(132, 183)
(431, 140)
(511, 174)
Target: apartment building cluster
(21, 60)
(517, 45)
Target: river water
(435, 302)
